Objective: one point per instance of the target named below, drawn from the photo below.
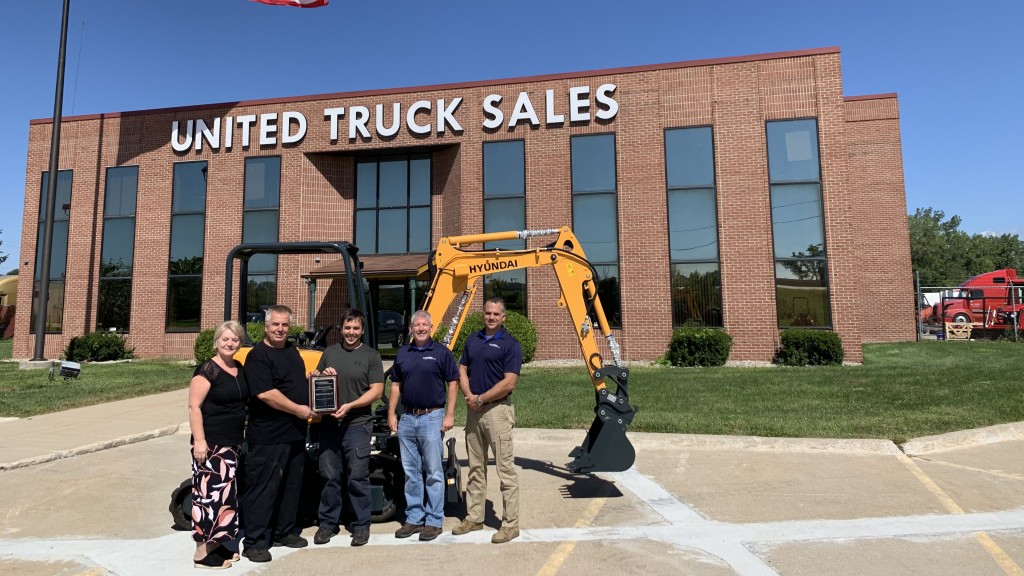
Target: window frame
(787, 261)
(506, 244)
(613, 307)
(108, 279)
(174, 280)
(408, 208)
(712, 308)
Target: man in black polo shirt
(276, 435)
(423, 378)
(488, 372)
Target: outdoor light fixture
(66, 370)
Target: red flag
(296, 3)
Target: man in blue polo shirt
(488, 372)
(423, 379)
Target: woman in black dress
(216, 413)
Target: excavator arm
(455, 270)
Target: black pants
(273, 484)
(345, 468)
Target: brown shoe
(504, 534)
(467, 526)
(428, 533)
(408, 530)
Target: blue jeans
(422, 443)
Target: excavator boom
(455, 270)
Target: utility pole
(51, 195)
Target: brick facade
(861, 169)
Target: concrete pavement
(86, 491)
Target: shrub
(257, 331)
(98, 347)
(203, 349)
(802, 347)
(693, 346)
(519, 326)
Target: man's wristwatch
(479, 402)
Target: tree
(811, 264)
(944, 255)
(3, 257)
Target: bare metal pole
(51, 193)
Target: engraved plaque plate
(323, 393)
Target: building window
(693, 227)
(261, 217)
(58, 252)
(595, 215)
(117, 255)
(798, 232)
(185, 268)
(505, 209)
(393, 204)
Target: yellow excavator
(454, 270)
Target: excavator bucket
(606, 448)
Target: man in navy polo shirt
(423, 379)
(488, 372)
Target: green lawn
(6, 347)
(901, 391)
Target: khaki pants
(492, 428)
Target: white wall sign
(385, 121)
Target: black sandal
(226, 554)
(212, 562)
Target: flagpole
(51, 195)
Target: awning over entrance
(377, 267)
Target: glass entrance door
(391, 300)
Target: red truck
(993, 300)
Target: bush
(519, 326)
(258, 330)
(698, 347)
(802, 347)
(203, 349)
(98, 347)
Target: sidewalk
(47, 437)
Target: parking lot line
(1009, 567)
(561, 554)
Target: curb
(964, 439)
(95, 447)
(665, 441)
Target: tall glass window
(505, 209)
(117, 255)
(393, 204)
(798, 231)
(595, 215)
(58, 252)
(185, 268)
(261, 217)
(693, 227)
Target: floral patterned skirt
(215, 496)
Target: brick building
(746, 193)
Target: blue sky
(954, 65)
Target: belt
(502, 400)
(422, 411)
